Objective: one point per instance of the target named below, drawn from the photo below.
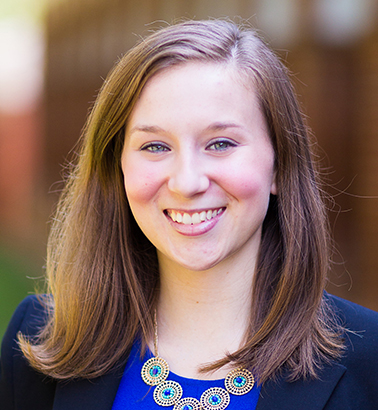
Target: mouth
(193, 218)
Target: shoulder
(360, 332)
(359, 382)
(28, 318)
(360, 323)
(351, 313)
(20, 385)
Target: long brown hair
(103, 272)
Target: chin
(196, 265)
(196, 261)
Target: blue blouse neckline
(134, 394)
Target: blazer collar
(309, 395)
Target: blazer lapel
(301, 395)
(96, 394)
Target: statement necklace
(169, 393)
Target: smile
(195, 218)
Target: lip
(195, 229)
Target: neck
(202, 315)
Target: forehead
(195, 84)
(190, 69)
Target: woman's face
(198, 166)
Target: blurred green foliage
(29, 9)
(19, 276)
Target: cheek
(247, 182)
(141, 183)
(240, 186)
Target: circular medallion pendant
(155, 371)
(239, 381)
(189, 403)
(215, 398)
(167, 393)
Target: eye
(221, 145)
(154, 147)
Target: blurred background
(54, 55)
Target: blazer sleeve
(21, 387)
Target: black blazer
(351, 383)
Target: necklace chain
(155, 372)
(156, 351)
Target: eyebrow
(220, 126)
(153, 129)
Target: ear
(273, 187)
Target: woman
(188, 258)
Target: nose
(188, 178)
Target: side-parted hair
(102, 271)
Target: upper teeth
(196, 218)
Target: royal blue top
(134, 394)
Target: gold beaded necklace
(169, 393)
